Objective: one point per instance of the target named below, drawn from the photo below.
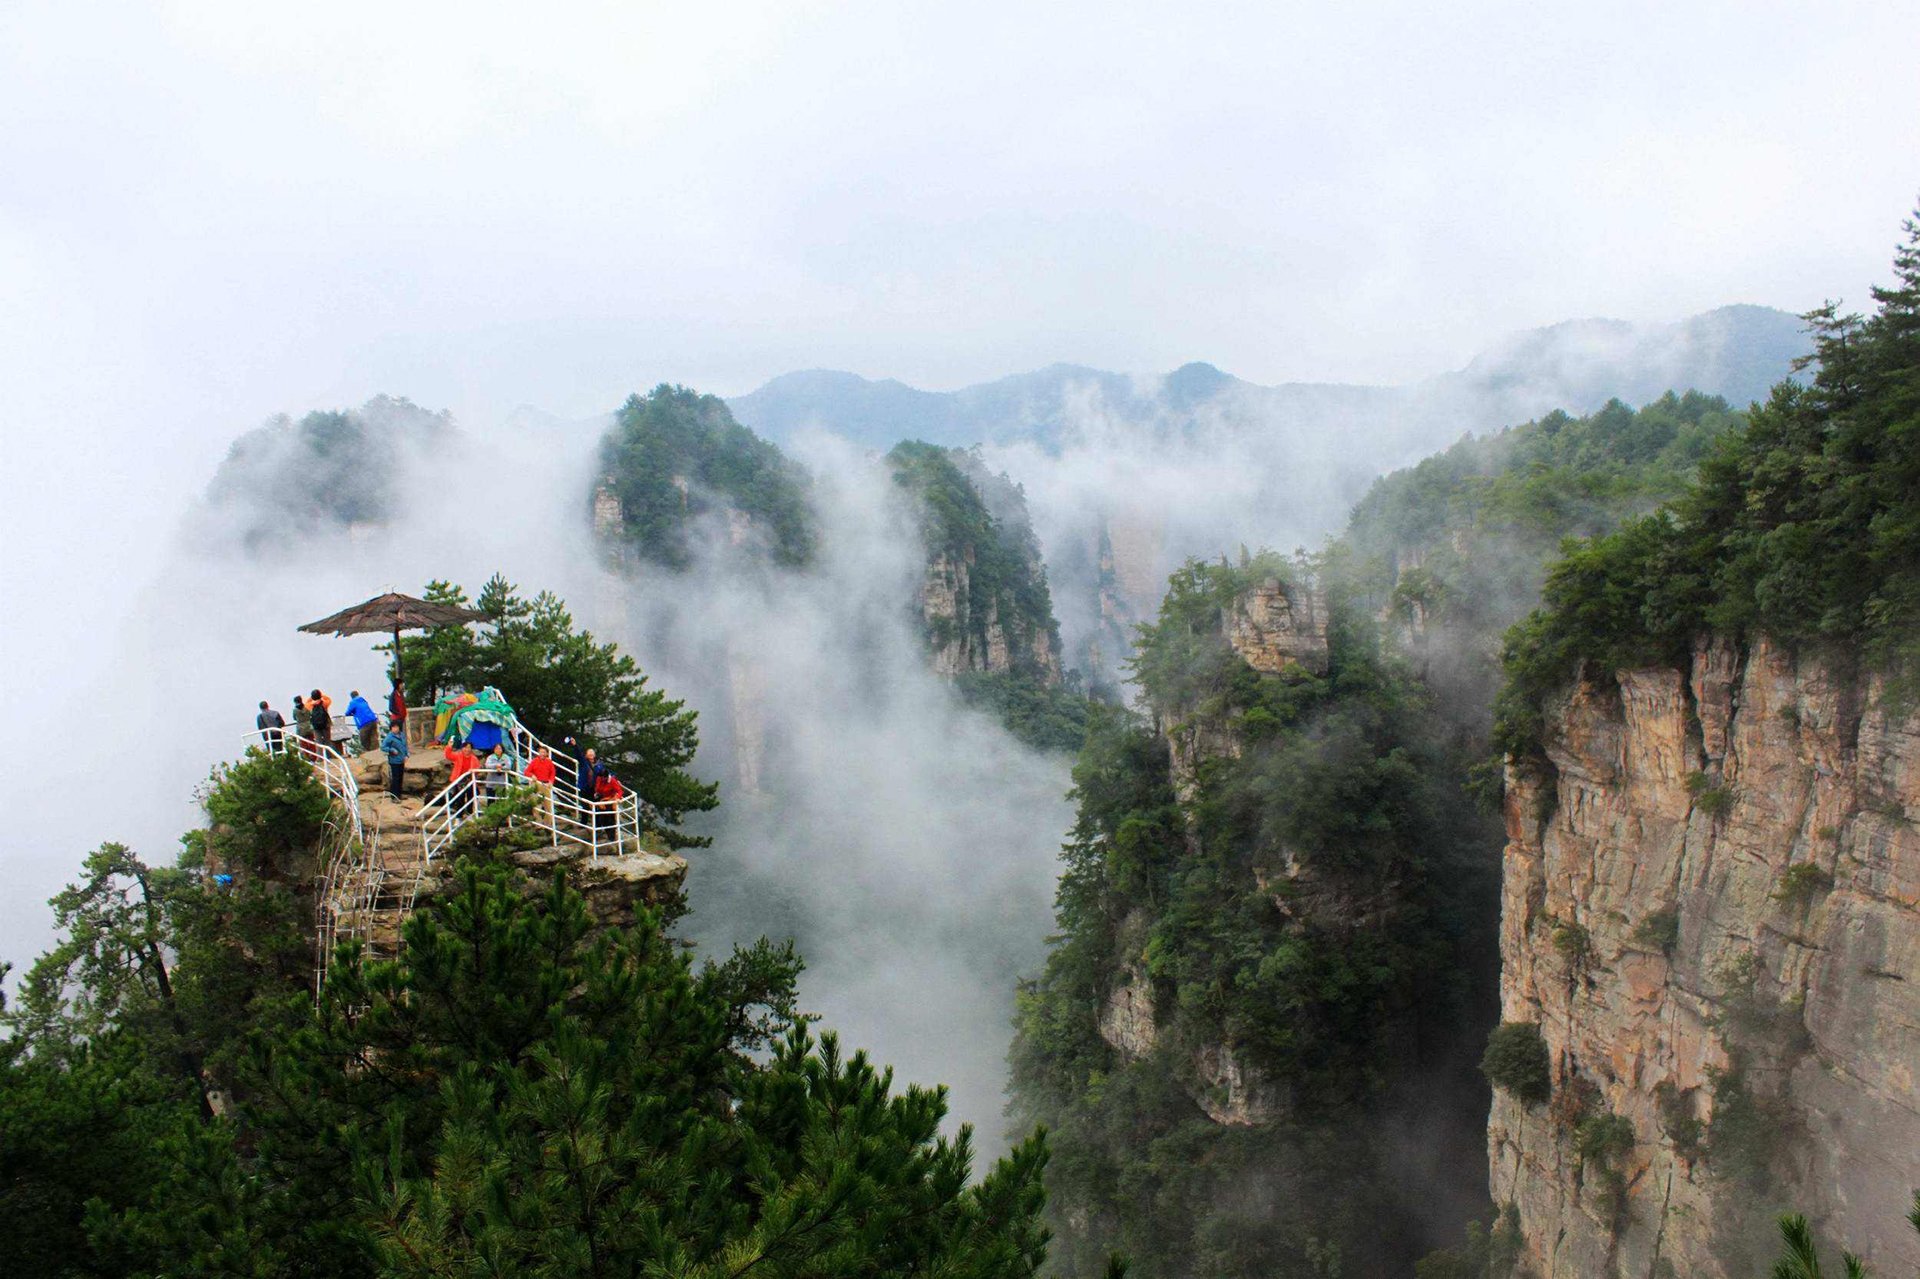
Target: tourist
(397, 707)
(322, 721)
(394, 745)
(364, 718)
(607, 791)
(303, 724)
(541, 771)
(463, 759)
(583, 769)
(273, 729)
(499, 768)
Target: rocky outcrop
(617, 888)
(1277, 631)
(1711, 910)
(1127, 1020)
(967, 629)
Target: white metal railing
(341, 856)
(348, 895)
(569, 815)
(330, 765)
(357, 885)
(599, 826)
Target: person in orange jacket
(463, 759)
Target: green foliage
(1709, 797)
(1182, 659)
(674, 434)
(1341, 792)
(1659, 931)
(264, 813)
(1574, 944)
(1602, 1139)
(1453, 551)
(1048, 717)
(524, 1093)
(1517, 1061)
(1489, 1253)
(138, 1017)
(562, 683)
(1677, 1120)
(971, 517)
(1800, 1257)
(1804, 527)
(1800, 884)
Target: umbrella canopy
(393, 612)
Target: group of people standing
(312, 732)
(313, 723)
(497, 769)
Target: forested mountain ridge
(1381, 655)
(1260, 966)
(1711, 920)
(1735, 352)
(1451, 552)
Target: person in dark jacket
(322, 722)
(394, 745)
(273, 729)
(303, 724)
(584, 761)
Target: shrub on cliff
(1517, 1061)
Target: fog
(215, 212)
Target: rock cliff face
(967, 629)
(1273, 629)
(984, 603)
(1711, 910)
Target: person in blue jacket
(394, 744)
(584, 761)
(364, 719)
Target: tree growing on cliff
(562, 682)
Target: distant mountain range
(1735, 351)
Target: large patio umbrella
(394, 612)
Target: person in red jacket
(607, 791)
(541, 771)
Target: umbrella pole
(397, 681)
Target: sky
(214, 211)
